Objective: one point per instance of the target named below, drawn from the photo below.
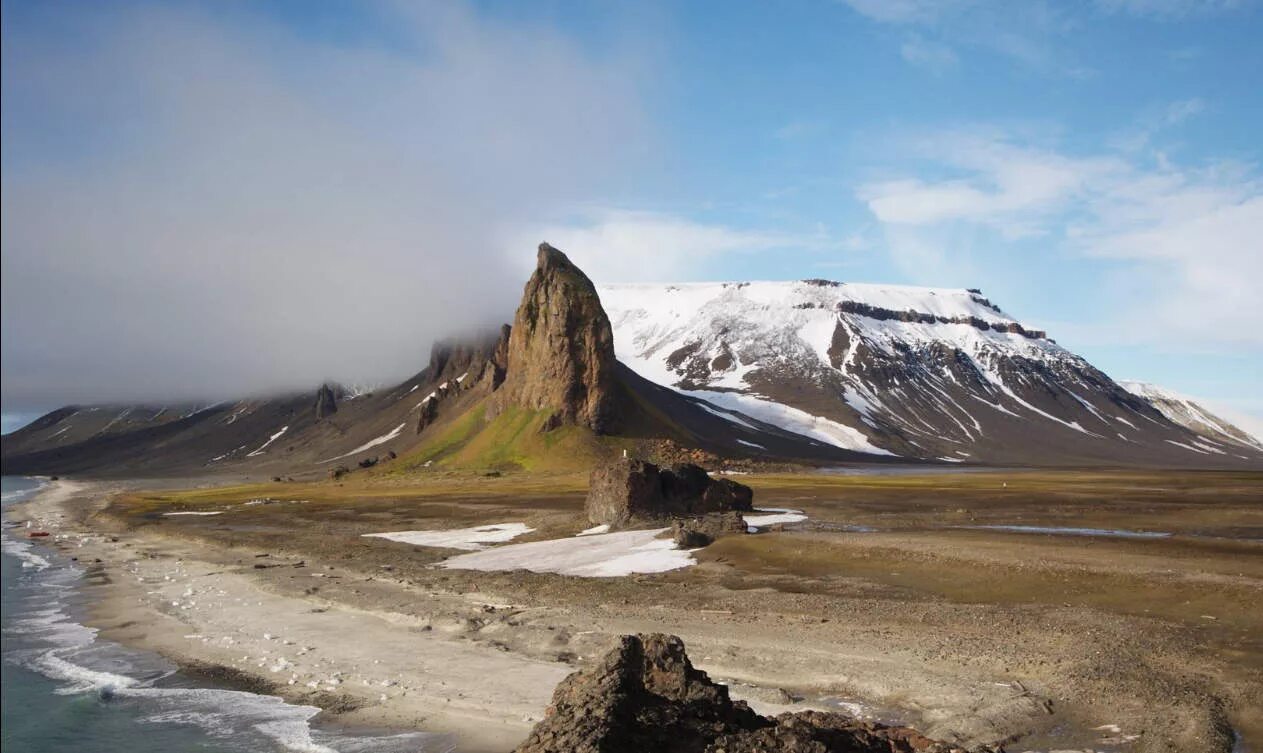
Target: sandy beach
(370, 631)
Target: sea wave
(57, 646)
(21, 550)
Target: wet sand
(978, 635)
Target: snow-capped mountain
(1192, 415)
(914, 372)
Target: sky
(204, 200)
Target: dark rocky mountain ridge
(822, 375)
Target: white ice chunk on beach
(603, 528)
(471, 539)
(773, 516)
(370, 444)
(604, 555)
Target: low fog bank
(203, 206)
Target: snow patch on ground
(793, 420)
(471, 539)
(383, 439)
(271, 439)
(773, 516)
(603, 528)
(598, 555)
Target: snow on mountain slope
(1190, 414)
(916, 372)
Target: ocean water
(64, 690)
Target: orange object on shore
(37, 534)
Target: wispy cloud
(1155, 121)
(1168, 9)
(933, 56)
(1028, 32)
(642, 246)
(1191, 232)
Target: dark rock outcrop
(690, 533)
(823, 732)
(473, 358)
(645, 695)
(627, 490)
(326, 402)
(561, 348)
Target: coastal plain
(1042, 610)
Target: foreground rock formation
(628, 490)
(645, 695)
(561, 348)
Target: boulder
(630, 489)
(691, 533)
(645, 695)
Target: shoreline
(426, 640)
(159, 597)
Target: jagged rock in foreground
(561, 349)
(645, 695)
(627, 490)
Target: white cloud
(1193, 231)
(616, 245)
(1007, 186)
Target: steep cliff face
(561, 349)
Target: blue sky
(1094, 167)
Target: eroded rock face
(459, 366)
(561, 348)
(629, 489)
(645, 695)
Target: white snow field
(472, 539)
(761, 324)
(597, 555)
